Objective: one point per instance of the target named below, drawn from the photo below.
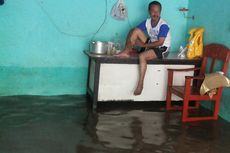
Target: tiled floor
(63, 124)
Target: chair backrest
(215, 52)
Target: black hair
(155, 3)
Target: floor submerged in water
(63, 124)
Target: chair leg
(169, 91)
(168, 99)
(185, 110)
(216, 109)
(197, 104)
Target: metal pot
(98, 47)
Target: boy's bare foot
(122, 55)
(138, 90)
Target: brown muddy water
(63, 124)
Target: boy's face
(155, 12)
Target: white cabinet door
(117, 82)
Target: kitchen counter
(172, 58)
(114, 79)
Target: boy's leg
(143, 58)
(133, 36)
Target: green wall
(42, 41)
(214, 16)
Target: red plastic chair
(190, 92)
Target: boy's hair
(155, 3)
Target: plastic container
(195, 44)
(117, 43)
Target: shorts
(161, 52)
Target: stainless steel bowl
(98, 47)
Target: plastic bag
(119, 10)
(214, 81)
(195, 44)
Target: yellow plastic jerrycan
(195, 43)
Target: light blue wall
(40, 53)
(214, 16)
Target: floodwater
(63, 124)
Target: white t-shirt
(160, 30)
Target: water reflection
(124, 130)
(153, 132)
(60, 124)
